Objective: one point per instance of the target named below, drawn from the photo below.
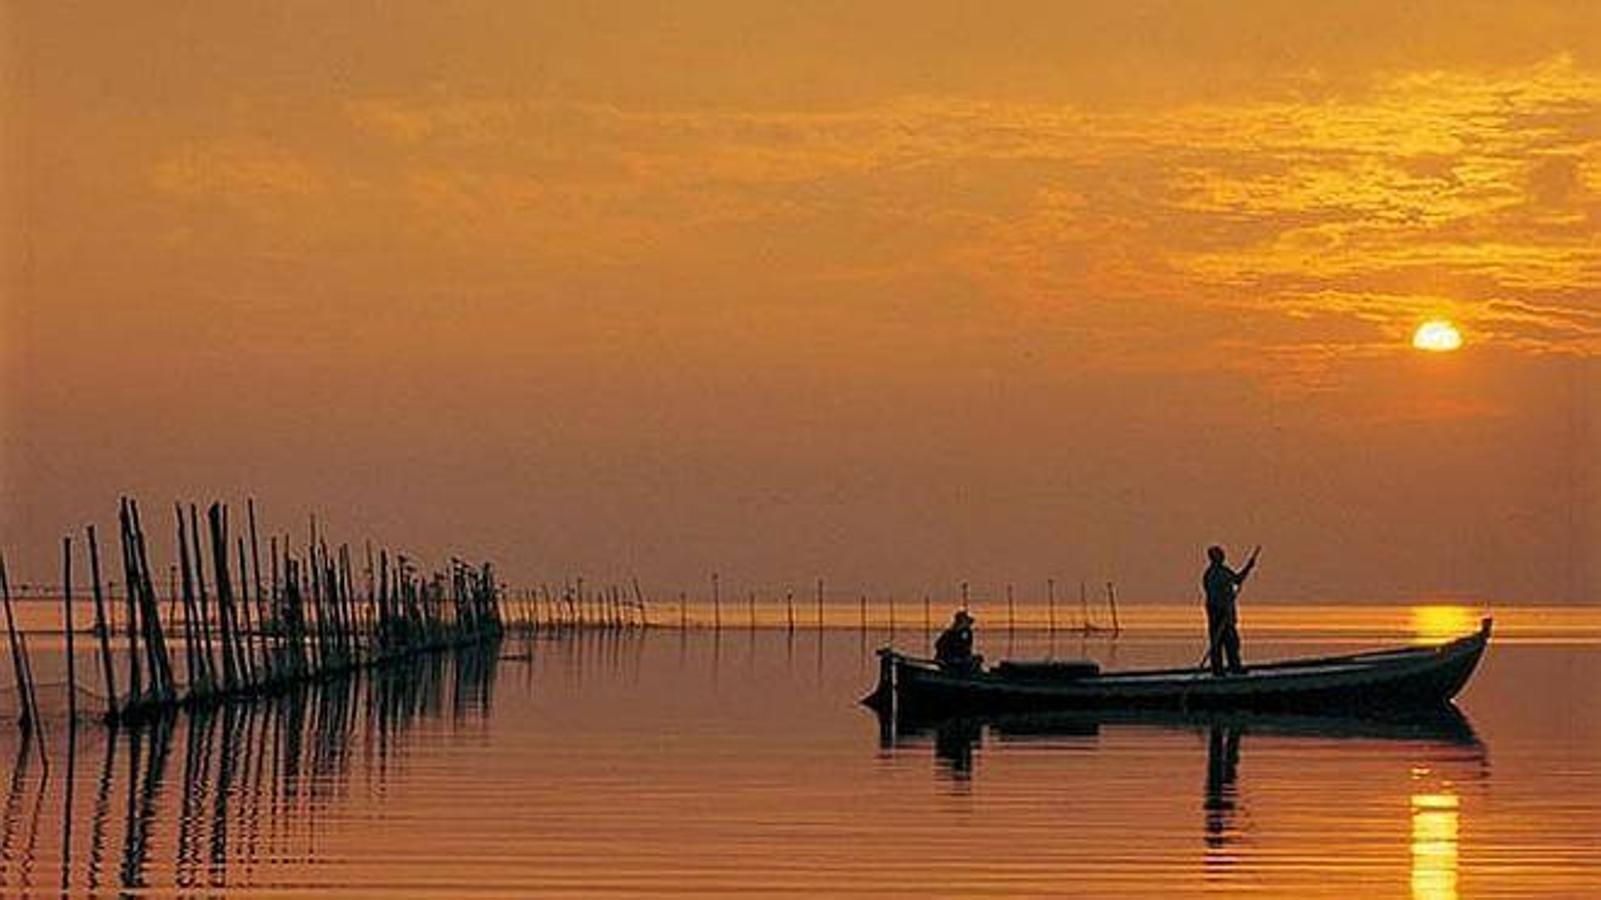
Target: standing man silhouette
(1222, 585)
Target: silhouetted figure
(1222, 584)
(953, 650)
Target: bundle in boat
(1047, 670)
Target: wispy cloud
(1473, 193)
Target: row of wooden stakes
(244, 634)
(1085, 626)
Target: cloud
(1477, 193)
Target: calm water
(696, 763)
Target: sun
(1437, 336)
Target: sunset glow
(1436, 624)
(1107, 448)
(1081, 283)
(1437, 336)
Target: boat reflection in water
(1426, 741)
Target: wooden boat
(1407, 678)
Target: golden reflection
(1436, 624)
(1434, 846)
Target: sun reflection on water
(1434, 846)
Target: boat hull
(1404, 679)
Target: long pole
(225, 624)
(262, 620)
(193, 674)
(1111, 599)
(19, 667)
(1050, 594)
(72, 658)
(102, 628)
(208, 660)
(819, 604)
(135, 672)
(155, 642)
(245, 636)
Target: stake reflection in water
(253, 782)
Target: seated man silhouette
(953, 650)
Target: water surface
(700, 762)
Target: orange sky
(897, 296)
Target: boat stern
(882, 699)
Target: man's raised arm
(1245, 572)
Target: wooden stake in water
(717, 605)
(19, 664)
(135, 673)
(863, 605)
(819, 604)
(225, 626)
(789, 609)
(72, 658)
(1050, 595)
(246, 638)
(1111, 600)
(262, 620)
(1084, 601)
(155, 640)
(208, 660)
(277, 575)
(102, 627)
(193, 673)
(1011, 610)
